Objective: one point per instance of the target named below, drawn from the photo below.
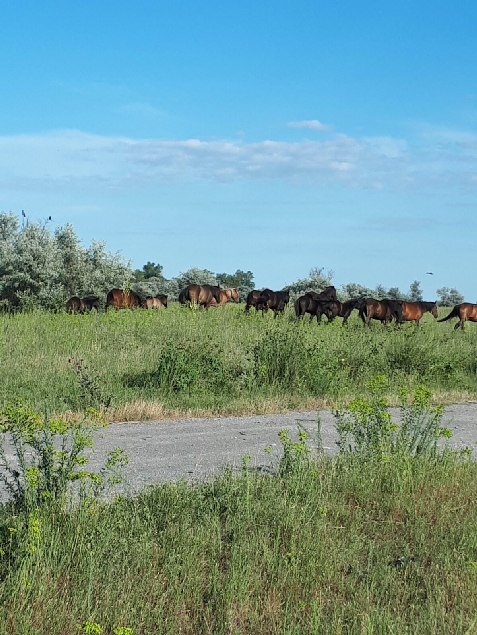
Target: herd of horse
(312, 303)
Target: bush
(48, 457)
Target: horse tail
(454, 313)
(297, 307)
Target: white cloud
(70, 158)
(311, 124)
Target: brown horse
(328, 293)
(252, 299)
(342, 309)
(82, 305)
(202, 295)
(415, 310)
(274, 300)
(465, 311)
(225, 295)
(120, 299)
(382, 310)
(308, 304)
(74, 305)
(90, 302)
(230, 293)
(157, 302)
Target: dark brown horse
(328, 293)
(465, 312)
(274, 300)
(90, 302)
(200, 295)
(316, 308)
(81, 305)
(252, 299)
(120, 299)
(342, 309)
(163, 298)
(74, 305)
(415, 310)
(382, 310)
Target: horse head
(234, 294)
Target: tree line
(41, 268)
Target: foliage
(317, 280)
(93, 391)
(240, 280)
(367, 428)
(415, 292)
(354, 290)
(39, 268)
(296, 454)
(48, 456)
(449, 296)
(149, 270)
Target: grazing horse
(415, 310)
(74, 305)
(157, 302)
(90, 302)
(120, 299)
(465, 311)
(225, 296)
(163, 298)
(81, 305)
(342, 309)
(230, 293)
(382, 310)
(203, 295)
(252, 299)
(315, 307)
(274, 300)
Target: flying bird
(429, 273)
(49, 217)
(23, 213)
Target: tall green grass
(380, 539)
(344, 546)
(221, 360)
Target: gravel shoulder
(196, 448)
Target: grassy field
(380, 539)
(343, 546)
(143, 365)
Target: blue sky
(270, 136)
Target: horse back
(468, 311)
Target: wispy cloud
(68, 158)
(310, 124)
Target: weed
(48, 456)
(366, 426)
(92, 387)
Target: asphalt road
(198, 448)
